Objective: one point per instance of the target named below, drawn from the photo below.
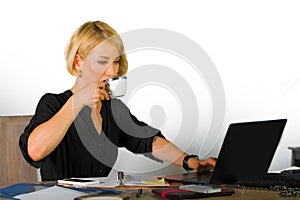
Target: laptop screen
(247, 150)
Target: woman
(75, 133)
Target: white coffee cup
(116, 87)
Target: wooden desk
(240, 194)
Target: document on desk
(54, 192)
(115, 179)
(134, 180)
(106, 182)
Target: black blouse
(83, 152)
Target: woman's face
(102, 63)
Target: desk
(240, 194)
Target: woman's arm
(45, 137)
(166, 151)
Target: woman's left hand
(196, 164)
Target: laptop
(246, 154)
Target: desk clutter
(287, 183)
(30, 191)
(120, 184)
(284, 191)
(112, 186)
(182, 193)
(115, 179)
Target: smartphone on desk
(77, 181)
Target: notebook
(246, 154)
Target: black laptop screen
(247, 150)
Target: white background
(255, 46)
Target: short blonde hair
(87, 37)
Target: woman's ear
(78, 62)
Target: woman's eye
(102, 62)
(116, 62)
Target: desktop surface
(240, 194)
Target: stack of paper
(54, 192)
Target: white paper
(51, 193)
(109, 181)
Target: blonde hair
(87, 37)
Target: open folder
(115, 179)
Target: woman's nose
(111, 71)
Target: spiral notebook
(245, 155)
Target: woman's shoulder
(65, 94)
(59, 97)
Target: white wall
(254, 45)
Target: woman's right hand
(89, 93)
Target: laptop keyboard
(203, 178)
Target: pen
(139, 192)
